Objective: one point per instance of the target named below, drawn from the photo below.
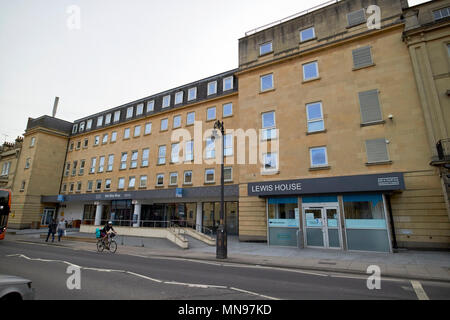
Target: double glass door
(321, 225)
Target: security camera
(391, 116)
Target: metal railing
(443, 149)
(272, 24)
(173, 224)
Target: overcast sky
(124, 50)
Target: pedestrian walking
(52, 230)
(61, 229)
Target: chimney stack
(55, 106)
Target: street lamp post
(221, 239)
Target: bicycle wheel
(100, 246)
(113, 246)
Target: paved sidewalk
(409, 264)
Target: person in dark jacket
(52, 230)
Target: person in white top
(61, 229)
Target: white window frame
(145, 157)
(96, 140)
(130, 112)
(261, 82)
(227, 148)
(121, 184)
(100, 121)
(166, 101)
(194, 90)
(131, 179)
(33, 141)
(173, 174)
(123, 160)
(148, 128)
(311, 158)
(160, 156)
(207, 114)
(214, 175)
(89, 124)
(317, 70)
(223, 110)
(177, 97)
(177, 117)
(105, 138)
(143, 185)
(184, 177)
(137, 131)
(116, 116)
(303, 30)
(150, 106)
(230, 78)
(160, 175)
(231, 179)
(140, 109)
(271, 169)
(93, 165)
(308, 120)
(210, 153)
(126, 133)
(108, 182)
(189, 152)
(166, 121)
(187, 118)
(271, 129)
(82, 125)
(114, 136)
(210, 92)
(263, 45)
(134, 159)
(108, 118)
(101, 164)
(110, 166)
(175, 153)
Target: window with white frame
(126, 133)
(78, 145)
(314, 114)
(71, 146)
(101, 164)
(123, 161)
(268, 125)
(82, 165)
(318, 157)
(139, 109)
(28, 163)
(79, 186)
(177, 121)
(160, 180)
(212, 88)
(110, 163)
(117, 116)
(131, 182)
(166, 101)
(86, 143)
(113, 136)
(108, 119)
(134, 159)
(137, 131)
(93, 165)
(66, 172)
(96, 140)
(100, 121)
(5, 168)
(151, 106)
(267, 82)
(179, 97)
(189, 151)
(105, 138)
(121, 183)
(192, 94)
(175, 155)
(72, 185)
(188, 177)
(210, 148)
(211, 113)
(173, 178)
(190, 118)
(33, 141)
(148, 128)
(227, 110)
(130, 112)
(310, 71)
(143, 182)
(227, 174)
(270, 161)
(89, 124)
(107, 184)
(74, 169)
(82, 125)
(228, 83)
(164, 124)
(145, 157)
(98, 185)
(228, 145)
(64, 188)
(265, 48)
(307, 34)
(162, 155)
(90, 185)
(209, 175)
(74, 128)
(441, 13)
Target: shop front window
(283, 221)
(365, 223)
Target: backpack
(97, 233)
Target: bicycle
(111, 244)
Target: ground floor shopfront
(197, 208)
(342, 213)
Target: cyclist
(106, 231)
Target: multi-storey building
(9, 155)
(327, 145)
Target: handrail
(296, 15)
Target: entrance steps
(200, 236)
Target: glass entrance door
(47, 216)
(322, 227)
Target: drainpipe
(394, 238)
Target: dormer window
(179, 97)
(100, 121)
(129, 112)
(307, 34)
(89, 124)
(82, 126)
(74, 128)
(166, 101)
(228, 83)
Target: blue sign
(61, 198)
(179, 193)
